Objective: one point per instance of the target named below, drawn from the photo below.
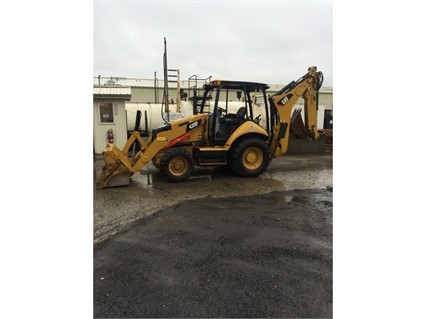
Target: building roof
(136, 82)
(116, 81)
(116, 92)
(150, 83)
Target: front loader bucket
(115, 172)
(114, 180)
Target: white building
(109, 113)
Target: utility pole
(166, 86)
(155, 87)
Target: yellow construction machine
(245, 141)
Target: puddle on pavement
(286, 198)
(300, 199)
(221, 182)
(283, 198)
(147, 177)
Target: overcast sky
(264, 41)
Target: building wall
(152, 95)
(147, 94)
(327, 100)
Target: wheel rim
(178, 166)
(252, 158)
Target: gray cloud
(271, 42)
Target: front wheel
(250, 157)
(177, 164)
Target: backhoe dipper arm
(283, 101)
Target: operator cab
(231, 103)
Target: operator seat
(237, 118)
(241, 113)
(230, 124)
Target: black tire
(250, 157)
(156, 162)
(177, 164)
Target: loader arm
(282, 104)
(119, 167)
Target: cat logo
(284, 100)
(193, 125)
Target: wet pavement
(255, 256)
(116, 209)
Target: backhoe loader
(245, 141)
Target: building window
(106, 112)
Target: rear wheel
(250, 157)
(177, 164)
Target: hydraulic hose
(319, 78)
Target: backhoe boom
(283, 101)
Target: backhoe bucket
(297, 127)
(115, 172)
